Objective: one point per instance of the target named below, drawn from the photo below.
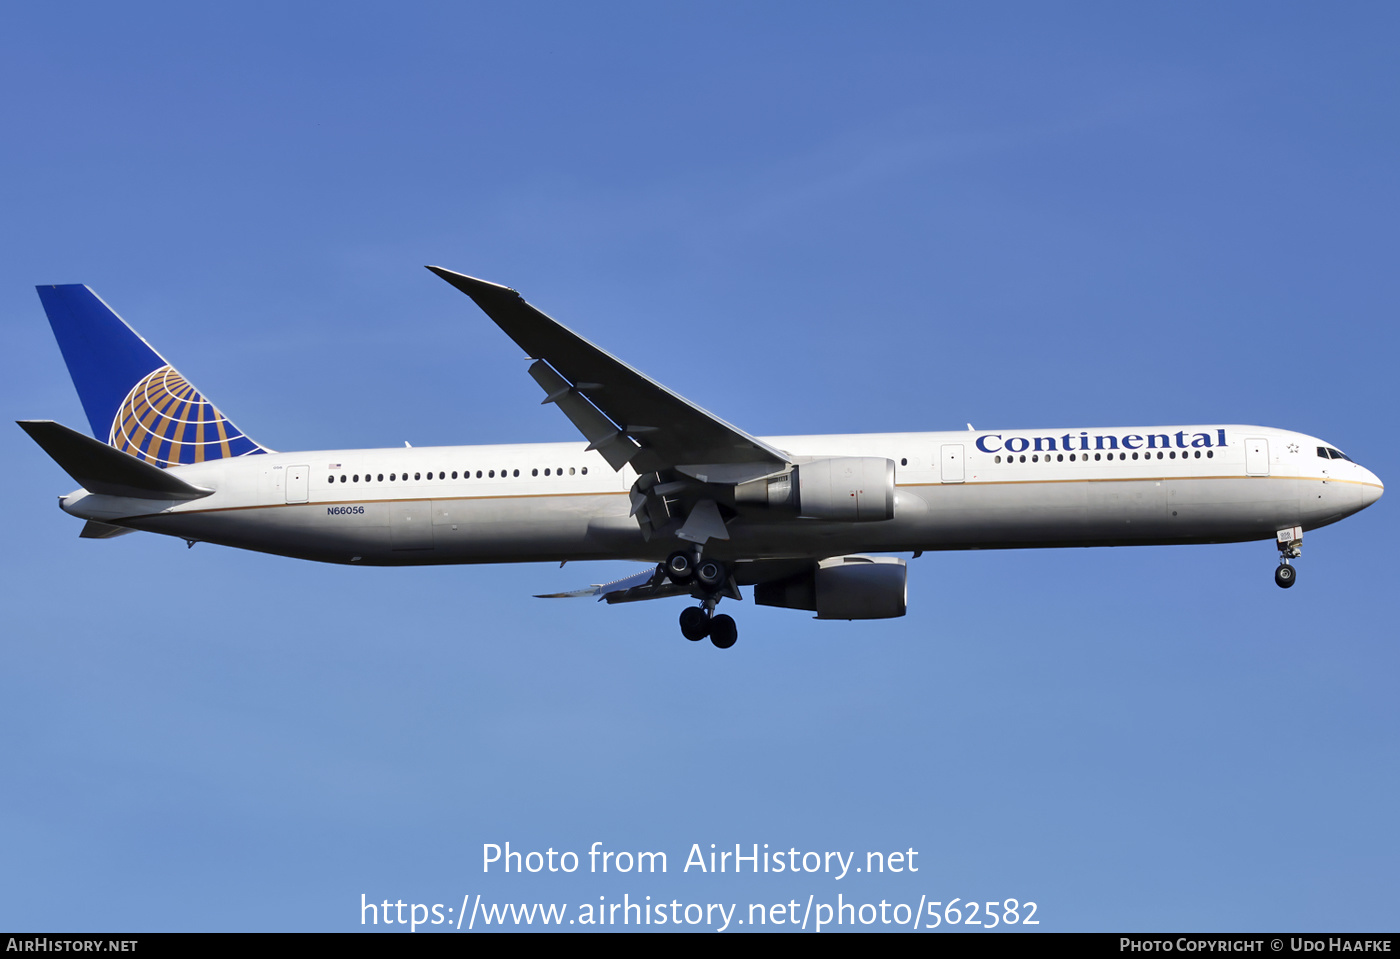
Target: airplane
(710, 508)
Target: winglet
(474, 288)
(99, 468)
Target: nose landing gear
(1290, 546)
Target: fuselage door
(1256, 457)
(951, 456)
(298, 478)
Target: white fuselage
(954, 490)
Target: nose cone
(1371, 489)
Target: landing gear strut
(710, 577)
(1290, 546)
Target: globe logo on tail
(164, 420)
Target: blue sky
(807, 219)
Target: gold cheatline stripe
(1142, 479)
(419, 499)
(460, 499)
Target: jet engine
(849, 488)
(843, 587)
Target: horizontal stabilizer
(102, 469)
(92, 529)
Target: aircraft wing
(626, 416)
(651, 583)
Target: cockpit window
(1327, 452)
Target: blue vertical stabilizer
(133, 398)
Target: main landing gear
(710, 577)
(697, 623)
(1290, 546)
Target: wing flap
(602, 433)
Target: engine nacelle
(843, 587)
(847, 488)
